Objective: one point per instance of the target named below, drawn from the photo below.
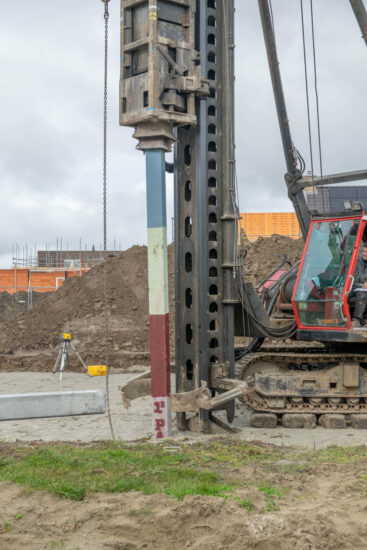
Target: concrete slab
(51, 404)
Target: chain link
(105, 278)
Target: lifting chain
(105, 285)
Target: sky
(51, 96)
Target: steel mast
(205, 219)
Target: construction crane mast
(205, 216)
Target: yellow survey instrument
(62, 357)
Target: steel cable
(317, 100)
(307, 91)
(105, 278)
(316, 88)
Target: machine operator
(359, 289)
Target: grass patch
(340, 455)
(271, 505)
(3, 462)
(214, 468)
(238, 453)
(72, 472)
(271, 491)
(245, 503)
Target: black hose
(264, 331)
(257, 341)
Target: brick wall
(17, 279)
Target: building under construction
(47, 270)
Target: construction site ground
(302, 489)
(278, 504)
(135, 423)
(281, 502)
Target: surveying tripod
(63, 353)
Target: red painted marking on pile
(159, 354)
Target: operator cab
(325, 278)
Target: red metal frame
(269, 282)
(350, 272)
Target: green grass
(214, 468)
(244, 503)
(271, 505)
(340, 455)
(72, 472)
(271, 491)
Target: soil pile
(28, 340)
(263, 255)
(12, 305)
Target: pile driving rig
(315, 296)
(177, 86)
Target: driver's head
(364, 252)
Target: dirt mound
(263, 255)
(78, 307)
(28, 341)
(12, 305)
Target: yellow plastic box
(97, 370)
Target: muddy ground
(321, 507)
(283, 502)
(325, 508)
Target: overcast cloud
(51, 71)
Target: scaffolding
(57, 257)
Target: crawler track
(305, 380)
